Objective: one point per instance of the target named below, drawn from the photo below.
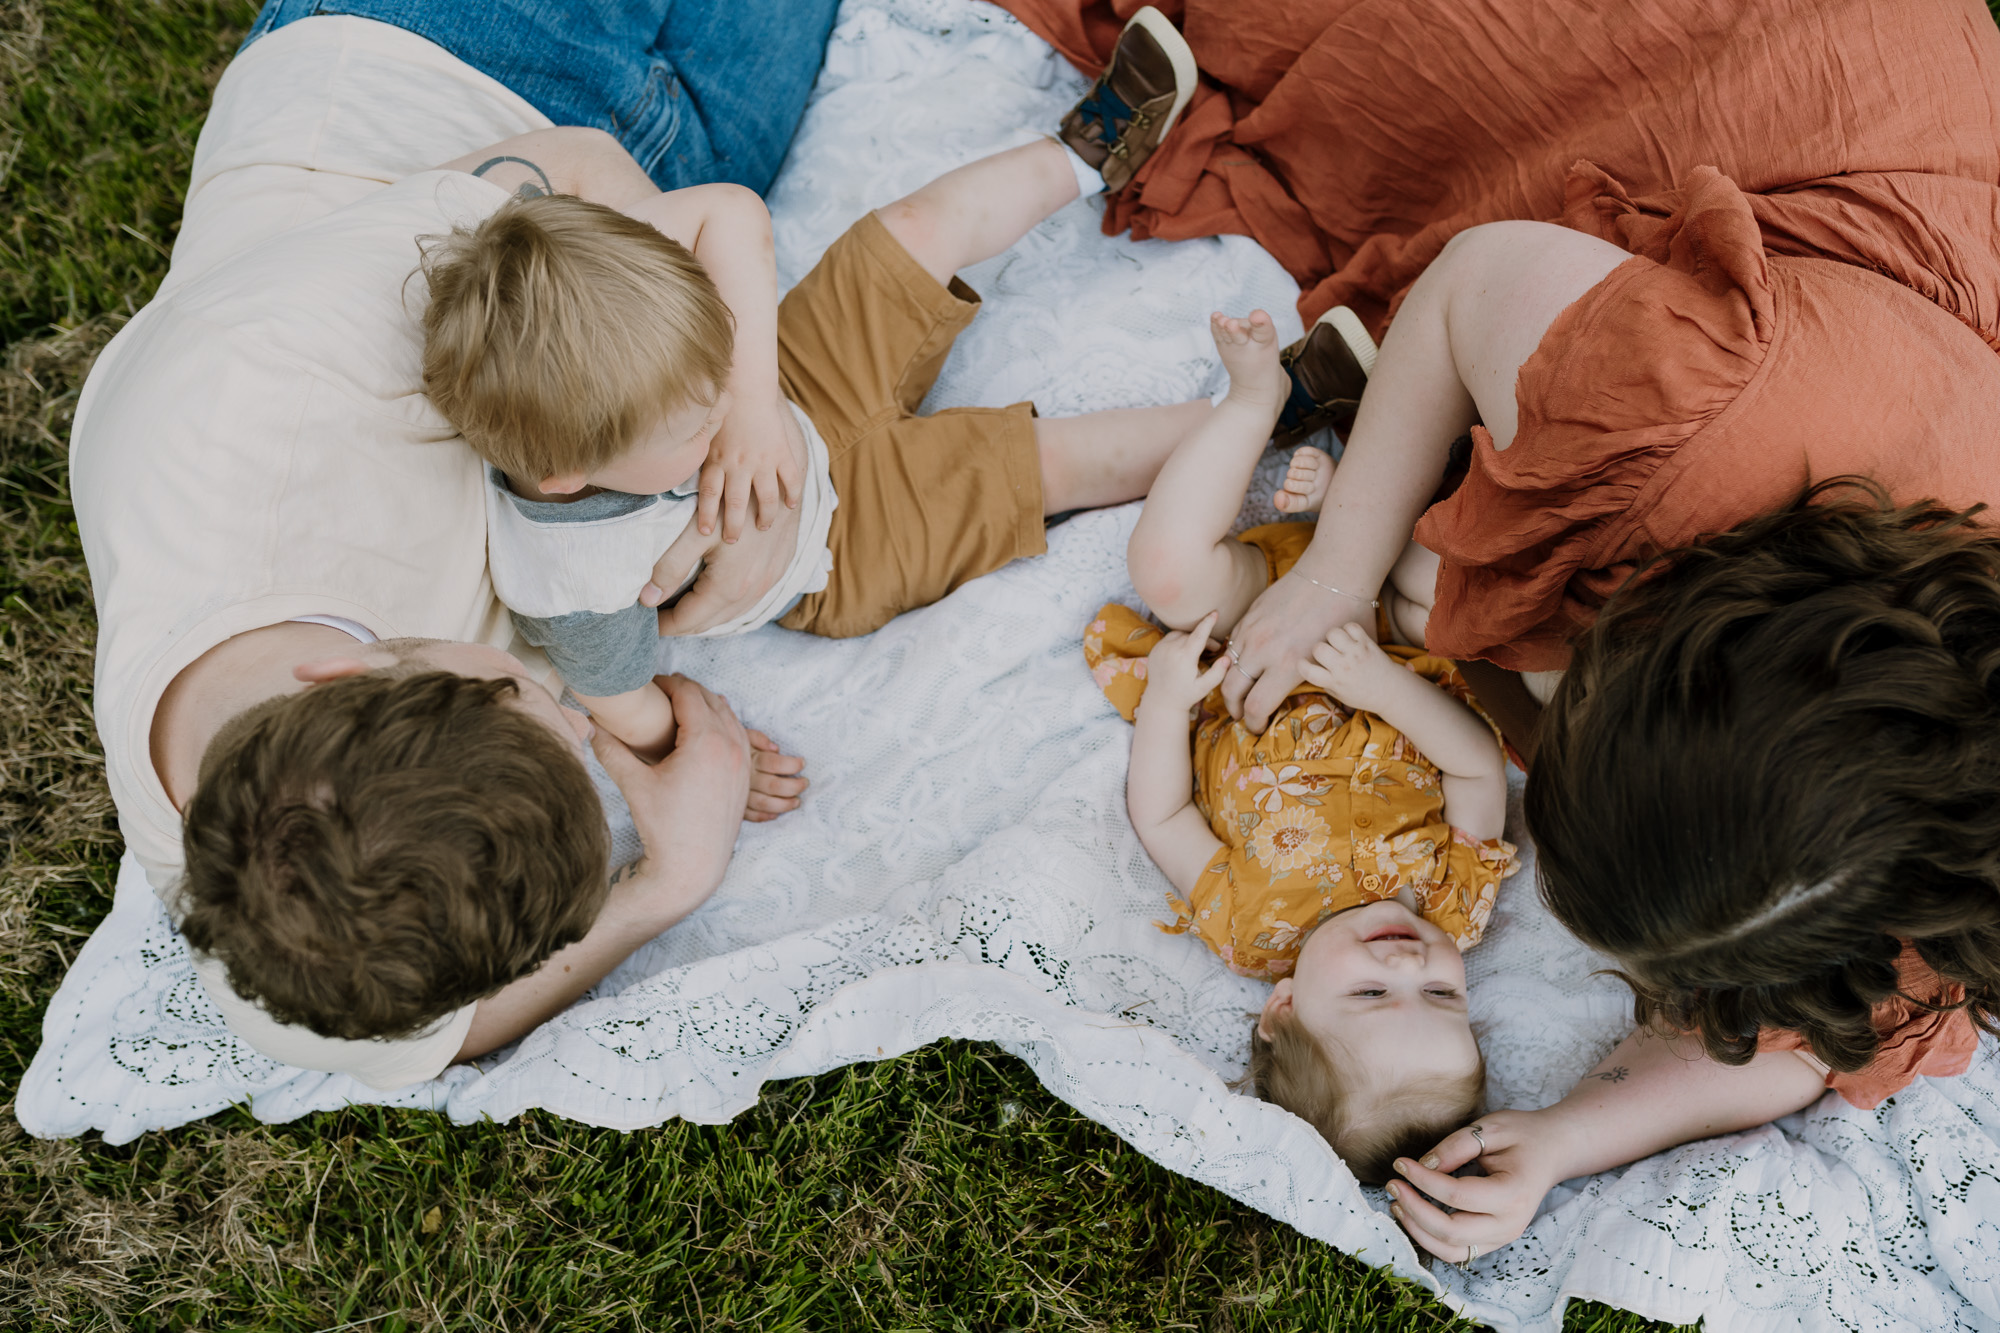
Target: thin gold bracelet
(1366, 601)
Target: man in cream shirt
(264, 492)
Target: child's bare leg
(1107, 458)
(1411, 592)
(1306, 482)
(979, 209)
(1182, 559)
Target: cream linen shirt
(255, 444)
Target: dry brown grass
(105, 1258)
(56, 820)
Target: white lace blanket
(964, 868)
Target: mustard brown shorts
(926, 503)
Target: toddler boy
(591, 359)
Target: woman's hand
(1650, 1093)
(752, 454)
(692, 802)
(1521, 1166)
(1274, 639)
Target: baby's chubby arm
(1159, 786)
(1352, 667)
(728, 229)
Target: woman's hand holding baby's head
(1175, 677)
(1519, 1166)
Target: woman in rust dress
(1669, 264)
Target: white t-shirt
(544, 569)
(255, 445)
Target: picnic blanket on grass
(963, 866)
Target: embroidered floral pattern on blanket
(964, 867)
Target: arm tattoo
(628, 872)
(1615, 1074)
(528, 190)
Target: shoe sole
(1348, 326)
(1179, 54)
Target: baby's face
(1388, 987)
(668, 452)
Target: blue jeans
(697, 90)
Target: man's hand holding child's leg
(643, 722)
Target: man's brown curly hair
(1774, 759)
(371, 854)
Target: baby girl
(1351, 851)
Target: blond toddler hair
(1369, 1122)
(558, 330)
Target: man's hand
(732, 580)
(753, 454)
(687, 807)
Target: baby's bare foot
(1306, 482)
(1249, 351)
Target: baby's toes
(1262, 331)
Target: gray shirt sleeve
(599, 654)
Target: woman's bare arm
(1450, 359)
(1650, 1094)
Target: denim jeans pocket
(650, 123)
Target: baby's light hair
(1370, 1119)
(559, 329)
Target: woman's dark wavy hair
(1776, 757)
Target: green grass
(943, 1190)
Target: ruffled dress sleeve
(1115, 646)
(1702, 382)
(1916, 1041)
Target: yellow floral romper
(1327, 810)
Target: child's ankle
(1265, 400)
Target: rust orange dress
(1810, 190)
(1327, 810)
(1915, 1040)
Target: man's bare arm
(688, 808)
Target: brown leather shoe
(1128, 111)
(1329, 369)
